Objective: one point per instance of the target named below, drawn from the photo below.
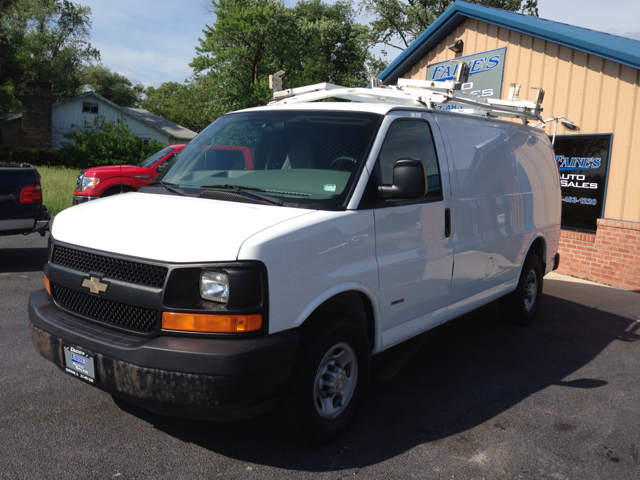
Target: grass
(58, 184)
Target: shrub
(34, 156)
(107, 143)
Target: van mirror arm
(409, 180)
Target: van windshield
(306, 159)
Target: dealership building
(592, 80)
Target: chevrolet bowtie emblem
(94, 285)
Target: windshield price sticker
(79, 364)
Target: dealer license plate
(79, 364)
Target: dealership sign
(485, 74)
(583, 161)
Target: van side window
(482, 156)
(411, 139)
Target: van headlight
(214, 286)
(89, 182)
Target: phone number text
(583, 200)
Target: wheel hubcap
(335, 380)
(530, 290)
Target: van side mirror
(409, 180)
(162, 166)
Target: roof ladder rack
(417, 93)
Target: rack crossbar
(417, 93)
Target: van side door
(488, 237)
(413, 250)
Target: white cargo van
(287, 244)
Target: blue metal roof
(618, 49)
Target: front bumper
(180, 376)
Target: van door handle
(447, 222)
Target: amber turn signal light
(187, 322)
(47, 285)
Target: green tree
(240, 50)
(10, 72)
(398, 22)
(330, 46)
(182, 103)
(251, 39)
(107, 143)
(52, 43)
(111, 85)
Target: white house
(46, 125)
(76, 113)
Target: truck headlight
(89, 182)
(214, 286)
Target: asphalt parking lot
(479, 399)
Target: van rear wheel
(328, 380)
(521, 306)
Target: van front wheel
(521, 306)
(328, 381)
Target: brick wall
(611, 256)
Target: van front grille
(124, 270)
(137, 319)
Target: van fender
(342, 288)
(543, 258)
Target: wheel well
(117, 189)
(355, 305)
(539, 248)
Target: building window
(89, 107)
(145, 141)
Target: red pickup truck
(101, 182)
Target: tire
(328, 381)
(520, 307)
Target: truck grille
(138, 319)
(124, 270)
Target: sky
(153, 41)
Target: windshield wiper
(249, 192)
(168, 186)
(227, 186)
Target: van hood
(167, 228)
